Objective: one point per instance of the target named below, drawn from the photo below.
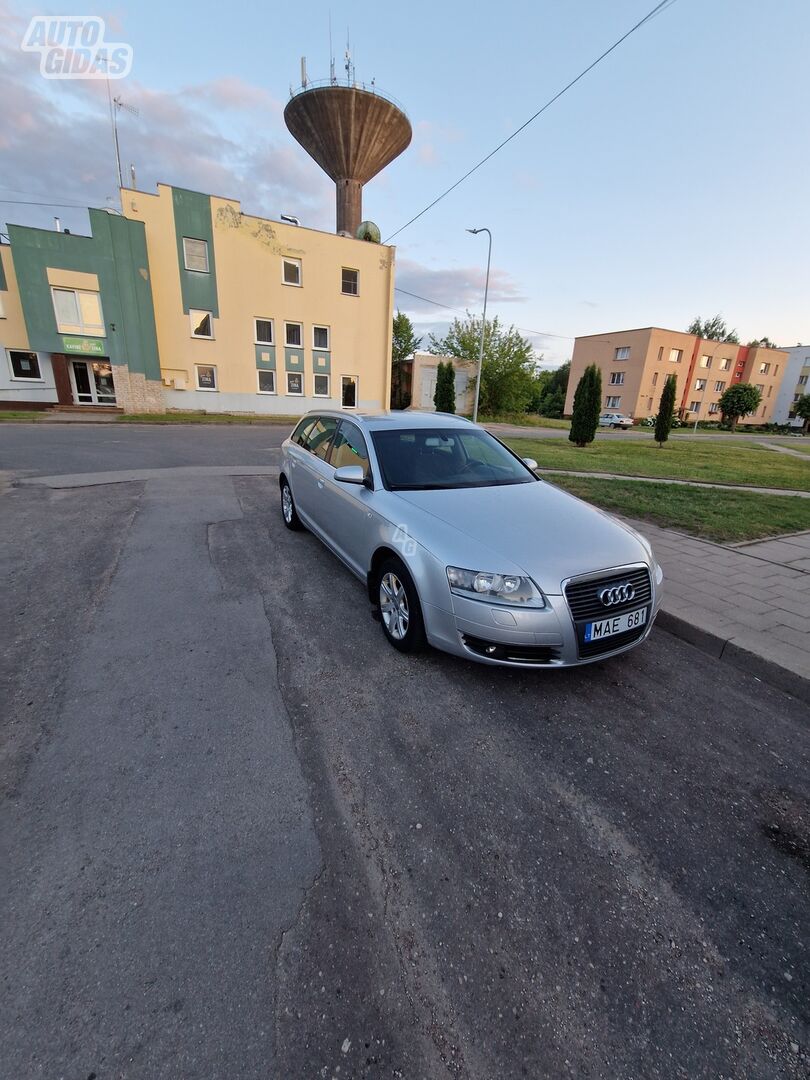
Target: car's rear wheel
(288, 511)
(400, 611)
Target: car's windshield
(425, 458)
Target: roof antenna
(332, 78)
(349, 65)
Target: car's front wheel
(400, 611)
(288, 511)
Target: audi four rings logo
(617, 594)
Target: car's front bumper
(545, 637)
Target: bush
(587, 406)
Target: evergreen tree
(587, 406)
(444, 397)
(666, 407)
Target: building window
(195, 255)
(295, 383)
(776, 370)
(725, 364)
(719, 386)
(796, 398)
(705, 361)
(321, 387)
(206, 377)
(612, 402)
(761, 387)
(263, 331)
(714, 408)
(700, 384)
(78, 312)
(802, 380)
(293, 334)
(24, 365)
(349, 281)
(655, 378)
(622, 353)
(202, 325)
(348, 391)
(291, 271)
(320, 337)
(694, 406)
(770, 390)
(660, 353)
(616, 378)
(675, 356)
(267, 382)
(2, 308)
(764, 369)
(649, 404)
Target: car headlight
(495, 588)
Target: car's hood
(550, 534)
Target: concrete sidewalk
(747, 605)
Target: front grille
(583, 599)
(515, 654)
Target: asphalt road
(243, 837)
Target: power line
(657, 10)
(24, 202)
(447, 307)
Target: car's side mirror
(350, 474)
(530, 463)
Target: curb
(728, 651)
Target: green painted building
(77, 320)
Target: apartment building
(185, 302)
(795, 384)
(636, 363)
(76, 319)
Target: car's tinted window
(446, 458)
(300, 434)
(319, 437)
(349, 448)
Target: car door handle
(320, 483)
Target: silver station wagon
(462, 546)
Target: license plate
(619, 624)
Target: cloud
(461, 288)
(428, 138)
(56, 141)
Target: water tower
(352, 132)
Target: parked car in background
(460, 544)
(615, 420)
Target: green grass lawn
(710, 461)
(20, 414)
(724, 516)
(203, 418)
(525, 420)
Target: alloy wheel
(394, 606)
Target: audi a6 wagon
(462, 546)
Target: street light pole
(483, 323)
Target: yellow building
(635, 364)
(254, 315)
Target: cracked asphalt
(243, 837)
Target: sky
(673, 180)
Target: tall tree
(444, 397)
(738, 401)
(404, 343)
(508, 369)
(549, 390)
(802, 410)
(587, 407)
(763, 342)
(666, 407)
(713, 329)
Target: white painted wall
(22, 390)
(262, 404)
(798, 363)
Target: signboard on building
(83, 346)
